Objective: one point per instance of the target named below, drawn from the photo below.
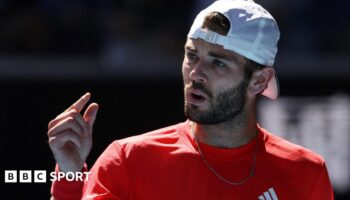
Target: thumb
(90, 114)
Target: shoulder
(292, 164)
(158, 137)
(119, 150)
(158, 134)
(282, 149)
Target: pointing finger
(79, 105)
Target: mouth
(195, 97)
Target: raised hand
(70, 135)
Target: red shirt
(165, 164)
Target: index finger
(79, 105)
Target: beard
(227, 105)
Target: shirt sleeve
(67, 190)
(108, 177)
(323, 188)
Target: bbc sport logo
(40, 176)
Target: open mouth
(196, 98)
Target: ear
(260, 80)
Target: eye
(218, 63)
(191, 56)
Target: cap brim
(272, 90)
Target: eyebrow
(190, 48)
(210, 53)
(220, 56)
(216, 55)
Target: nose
(197, 73)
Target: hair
(218, 23)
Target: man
(220, 152)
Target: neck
(229, 134)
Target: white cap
(253, 34)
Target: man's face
(214, 83)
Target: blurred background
(128, 54)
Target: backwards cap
(253, 34)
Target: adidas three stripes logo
(269, 195)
